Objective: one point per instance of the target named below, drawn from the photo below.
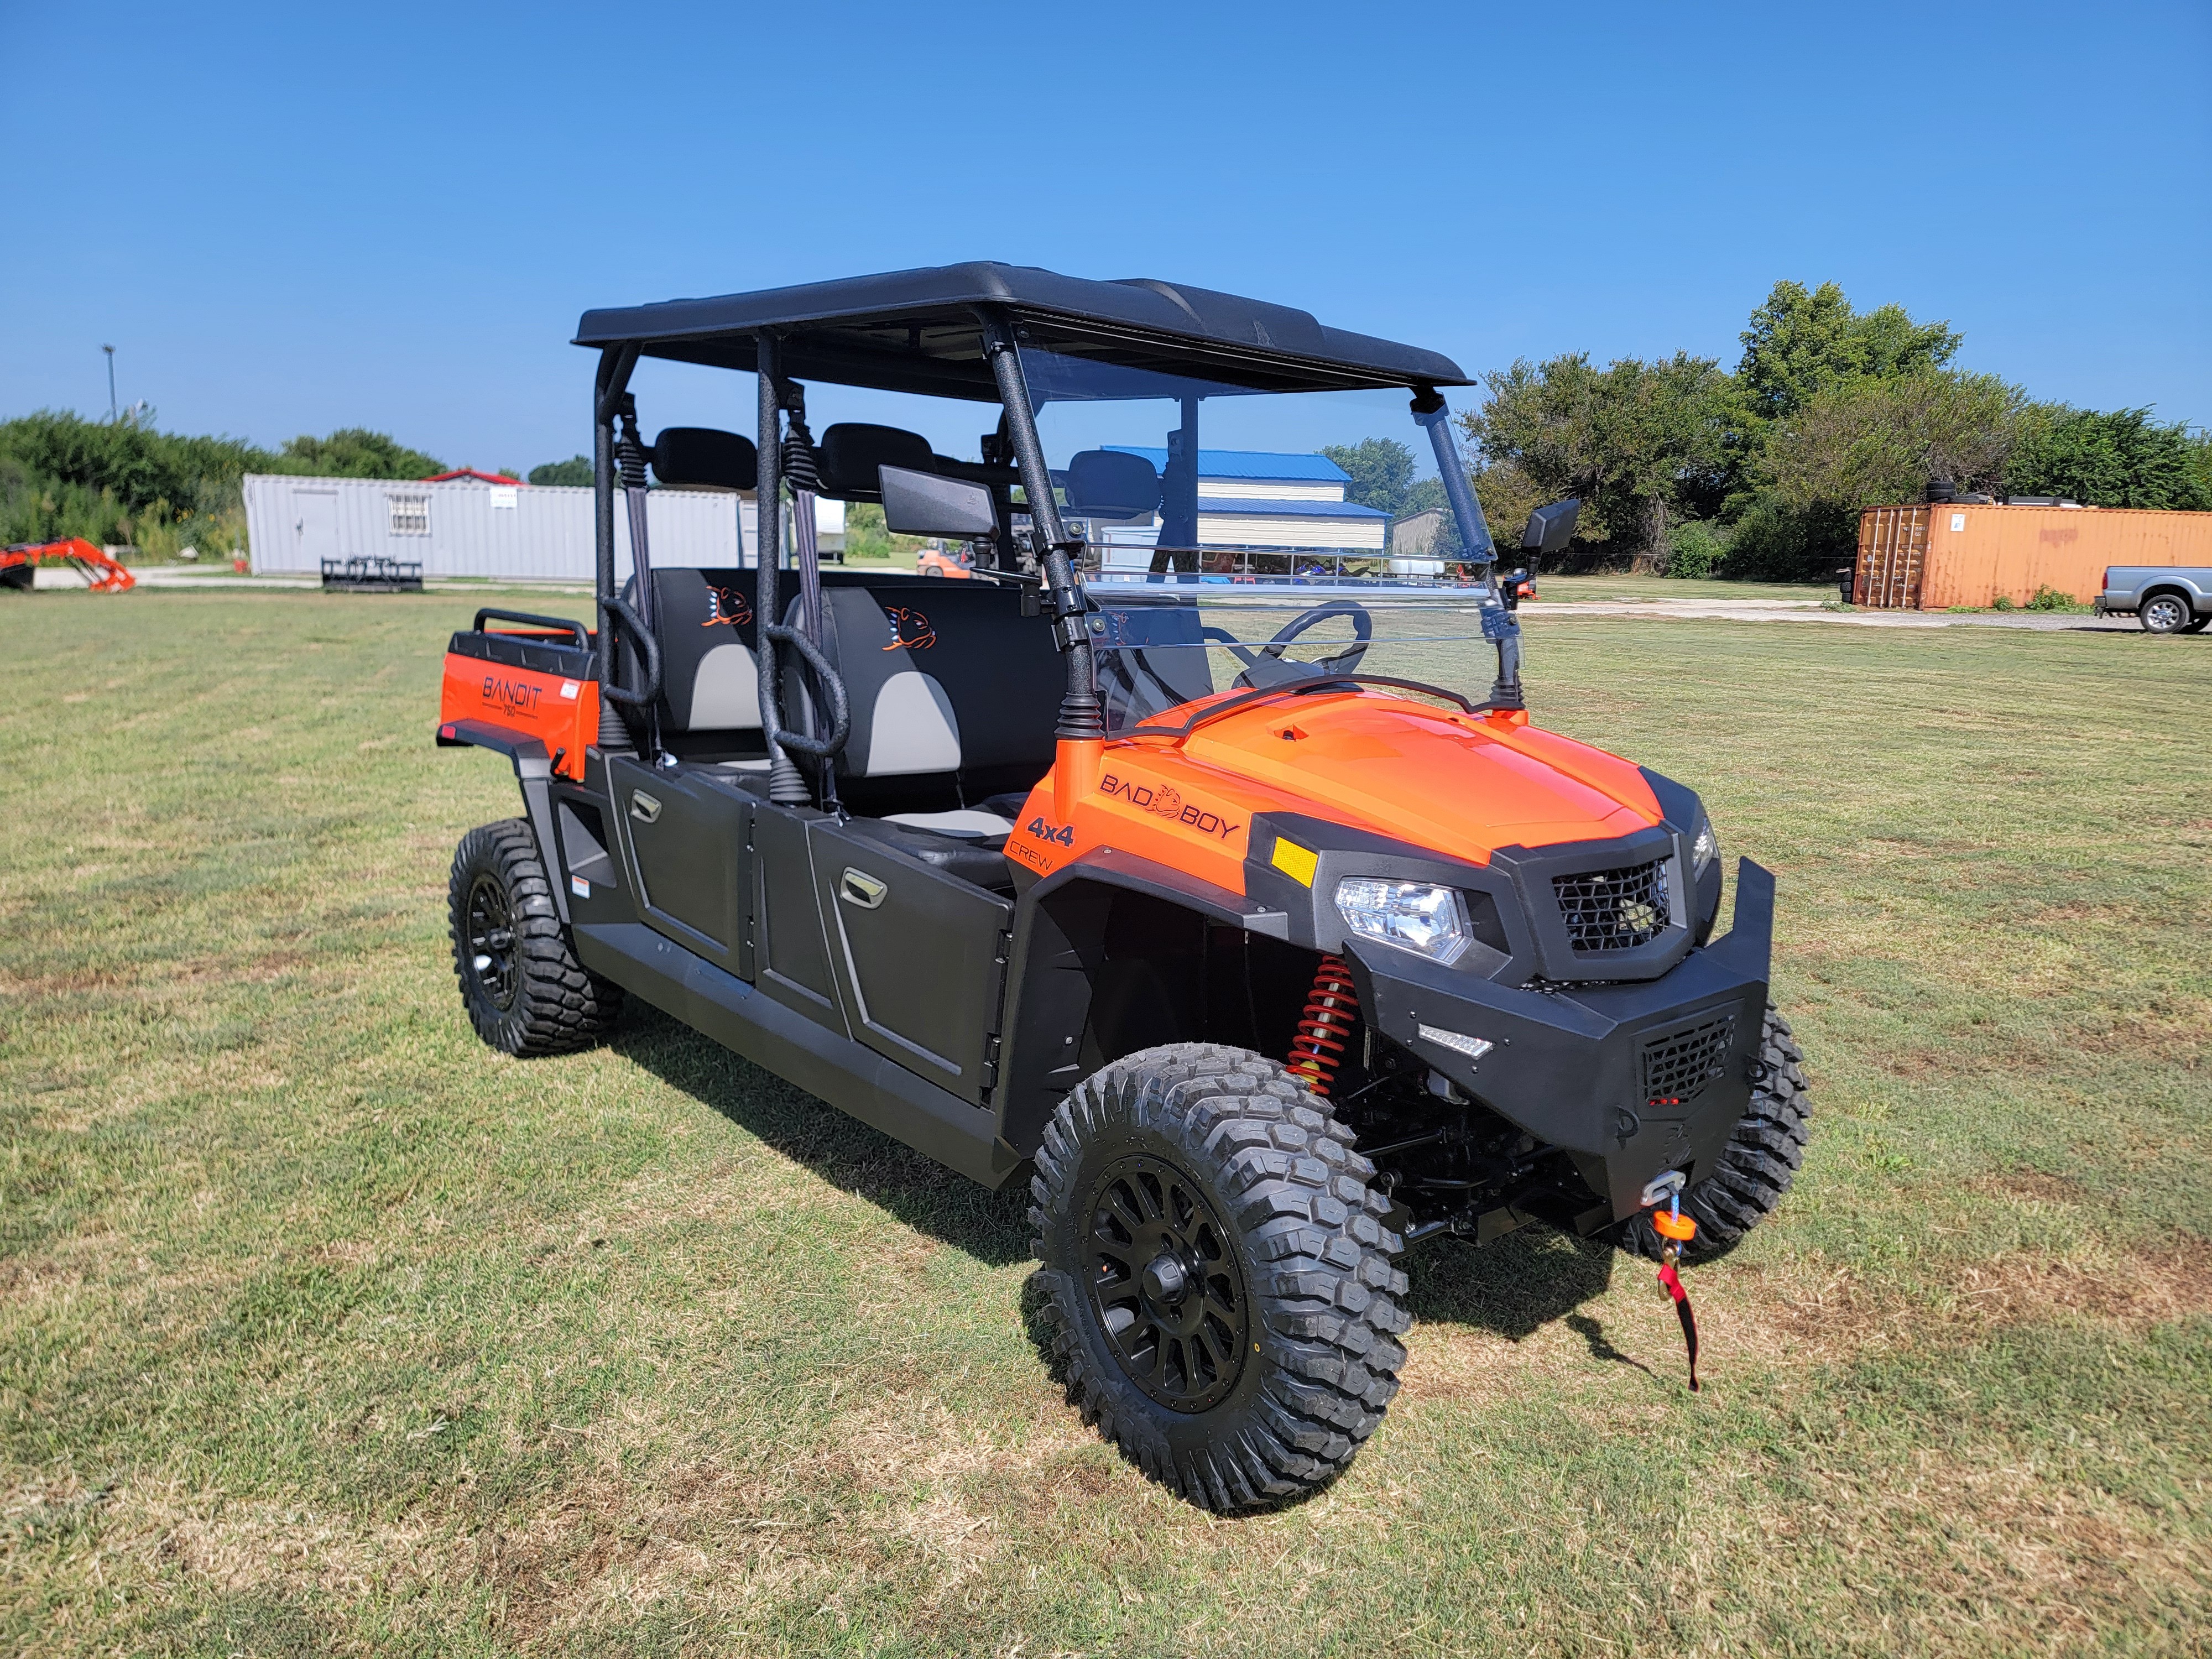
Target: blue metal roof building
(1254, 464)
(1258, 510)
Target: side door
(315, 521)
(788, 948)
(920, 958)
(689, 834)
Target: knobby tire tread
(1324, 1295)
(1761, 1161)
(562, 1005)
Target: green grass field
(324, 1329)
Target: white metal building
(1252, 501)
(517, 532)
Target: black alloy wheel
(1165, 1284)
(524, 991)
(1218, 1279)
(2165, 613)
(488, 955)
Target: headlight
(1430, 921)
(1704, 848)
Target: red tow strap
(1671, 1282)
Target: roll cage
(955, 331)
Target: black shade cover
(916, 331)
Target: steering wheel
(1363, 631)
(1266, 665)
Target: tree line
(1761, 473)
(1682, 466)
(123, 482)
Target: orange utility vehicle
(1218, 911)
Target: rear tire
(526, 992)
(2165, 613)
(1759, 1163)
(1251, 1352)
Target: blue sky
(292, 219)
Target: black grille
(1678, 1066)
(1614, 909)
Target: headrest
(1107, 483)
(701, 458)
(849, 453)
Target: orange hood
(1453, 783)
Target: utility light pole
(112, 415)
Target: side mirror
(1550, 528)
(927, 504)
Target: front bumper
(1630, 1079)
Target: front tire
(1217, 1274)
(1761, 1161)
(526, 992)
(2165, 613)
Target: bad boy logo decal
(726, 606)
(910, 628)
(1166, 800)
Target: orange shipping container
(1928, 558)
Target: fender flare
(533, 771)
(1058, 930)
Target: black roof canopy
(915, 330)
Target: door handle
(643, 808)
(857, 887)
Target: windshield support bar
(1082, 718)
(1431, 413)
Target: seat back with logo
(704, 624)
(954, 693)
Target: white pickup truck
(2166, 598)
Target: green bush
(2048, 598)
(1694, 550)
(1774, 542)
(123, 483)
(2004, 603)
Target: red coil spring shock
(1317, 1050)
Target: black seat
(709, 703)
(850, 452)
(703, 457)
(954, 695)
(1111, 483)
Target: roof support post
(786, 786)
(1430, 412)
(612, 380)
(1082, 720)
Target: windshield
(1238, 540)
